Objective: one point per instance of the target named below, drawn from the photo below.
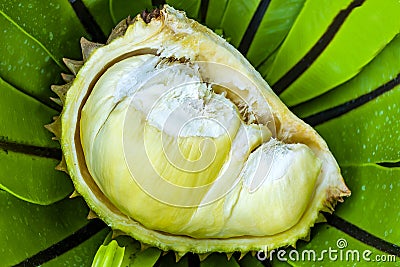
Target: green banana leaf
(101, 9)
(119, 8)
(192, 8)
(355, 77)
(27, 229)
(236, 18)
(215, 12)
(344, 249)
(382, 69)
(81, 255)
(275, 25)
(367, 30)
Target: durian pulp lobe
(282, 178)
(196, 179)
(186, 161)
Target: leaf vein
(32, 38)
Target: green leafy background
(35, 211)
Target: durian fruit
(173, 138)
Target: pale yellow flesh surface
(206, 165)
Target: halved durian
(173, 138)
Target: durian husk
(154, 33)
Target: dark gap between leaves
(157, 3)
(203, 10)
(158, 262)
(300, 67)
(253, 26)
(88, 22)
(362, 235)
(44, 152)
(70, 242)
(193, 260)
(266, 262)
(339, 110)
(390, 164)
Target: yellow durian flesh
(161, 149)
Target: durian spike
(62, 166)
(120, 29)
(74, 194)
(164, 253)
(242, 254)
(307, 237)
(327, 208)
(331, 206)
(67, 77)
(321, 218)
(204, 256)
(57, 101)
(88, 47)
(148, 16)
(178, 256)
(117, 233)
(92, 215)
(55, 127)
(61, 90)
(143, 247)
(73, 65)
(229, 256)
